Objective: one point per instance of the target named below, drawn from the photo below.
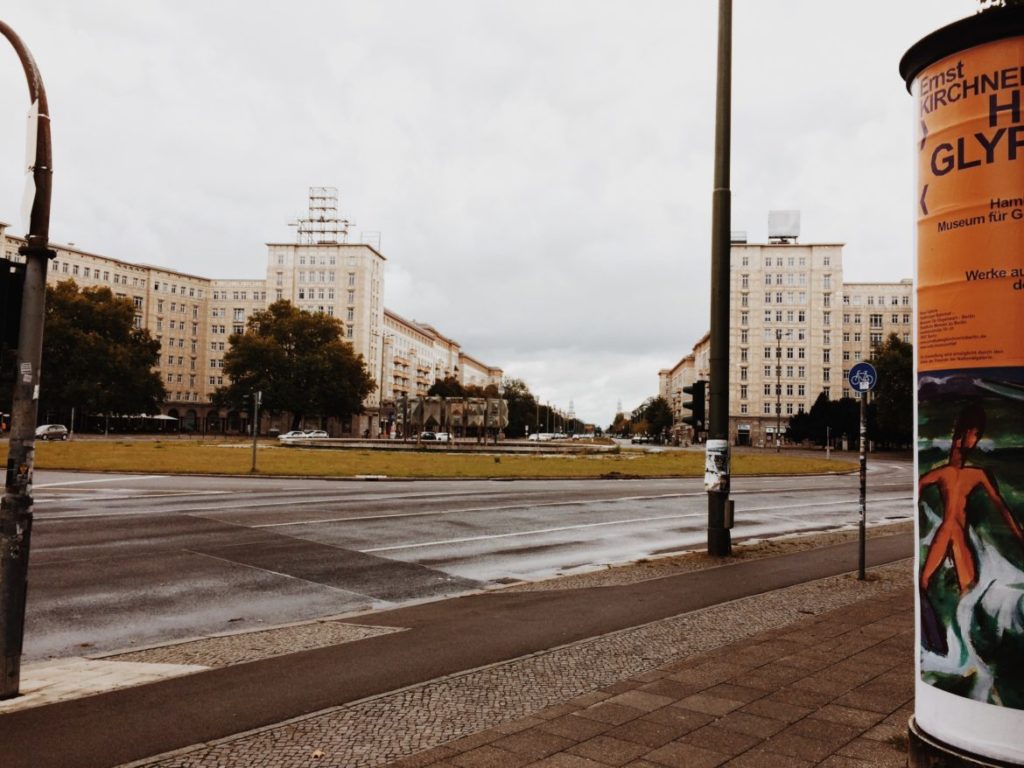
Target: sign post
(863, 378)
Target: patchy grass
(235, 458)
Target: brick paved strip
(443, 638)
(240, 647)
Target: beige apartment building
(795, 330)
(193, 317)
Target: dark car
(51, 432)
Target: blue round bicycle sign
(863, 377)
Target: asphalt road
(125, 561)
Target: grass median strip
(234, 458)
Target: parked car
(317, 434)
(541, 436)
(295, 434)
(52, 432)
(444, 437)
(428, 436)
(640, 439)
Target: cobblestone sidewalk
(833, 691)
(515, 713)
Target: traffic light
(12, 283)
(695, 406)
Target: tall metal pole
(16, 505)
(778, 390)
(719, 536)
(256, 398)
(863, 482)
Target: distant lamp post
(16, 506)
(778, 390)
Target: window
(767, 390)
(743, 373)
(767, 353)
(767, 409)
(743, 407)
(789, 371)
(351, 297)
(801, 371)
(906, 319)
(349, 332)
(826, 374)
(778, 315)
(826, 282)
(875, 321)
(857, 336)
(767, 370)
(743, 392)
(744, 318)
(744, 336)
(826, 355)
(744, 300)
(826, 318)
(801, 390)
(767, 297)
(801, 353)
(743, 354)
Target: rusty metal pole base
(928, 752)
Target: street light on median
(16, 505)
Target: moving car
(52, 432)
(295, 434)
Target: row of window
(177, 325)
(174, 288)
(894, 301)
(787, 316)
(239, 295)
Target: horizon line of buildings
(795, 330)
(192, 317)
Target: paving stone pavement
(767, 680)
(237, 648)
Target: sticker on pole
(863, 377)
(716, 466)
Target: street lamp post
(16, 505)
(778, 390)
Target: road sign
(863, 377)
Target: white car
(317, 434)
(295, 434)
(444, 437)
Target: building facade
(795, 330)
(193, 317)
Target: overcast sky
(539, 171)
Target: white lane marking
(610, 522)
(115, 497)
(117, 479)
(531, 533)
(501, 508)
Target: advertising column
(968, 83)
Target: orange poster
(971, 209)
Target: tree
(300, 363)
(658, 414)
(893, 407)
(94, 358)
(449, 386)
(522, 407)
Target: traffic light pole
(716, 478)
(16, 505)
